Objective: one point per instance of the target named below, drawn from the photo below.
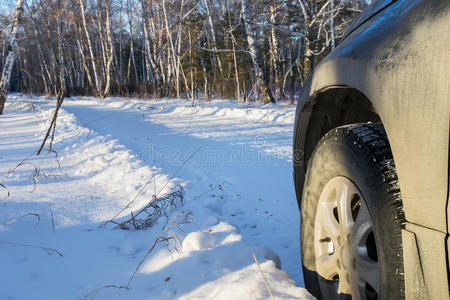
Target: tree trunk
(332, 29)
(42, 62)
(83, 61)
(111, 49)
(275, 51)
(91, 50)
(307, 56)
(132, 58)
(176, 68)
(233, 42)
(152, 67)
(9, 63)
(213, 36)
(261, 79)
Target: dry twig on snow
(185, 217)
(148, 215)
(50, 251)
(266, 283)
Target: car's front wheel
(351, 217)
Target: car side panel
(424, 263)
(400, 60)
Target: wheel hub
(345, 255)
(342, 227)
(344, 264)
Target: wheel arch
(326, 109)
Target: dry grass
(185, 217)
(34, 176)
(148, 216)
(266, 283)
(8, 193)
(49, 251)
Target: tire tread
(371, 141)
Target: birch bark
(9, 63)
(111, 50)
(261, 79)
(91, 50)
(307, 59)
(332, 29)
(213, 36)
(275, 51)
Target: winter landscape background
(232, 160)
(146, 146)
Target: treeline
(239, 49)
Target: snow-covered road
(233, 161)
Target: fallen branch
(52, 127)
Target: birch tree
(11, 56)
(91, 50)
(213, 36)
(261, 80)
(110, 42)
(174, 48)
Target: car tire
(352, 216)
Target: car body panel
(400, 71)
(424, 263)
(399, 59)
(374, 8)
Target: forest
(194, 49)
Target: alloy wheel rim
(344, 242)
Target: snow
(233, 161)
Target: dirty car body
(393, 67)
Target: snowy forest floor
(232, 160)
